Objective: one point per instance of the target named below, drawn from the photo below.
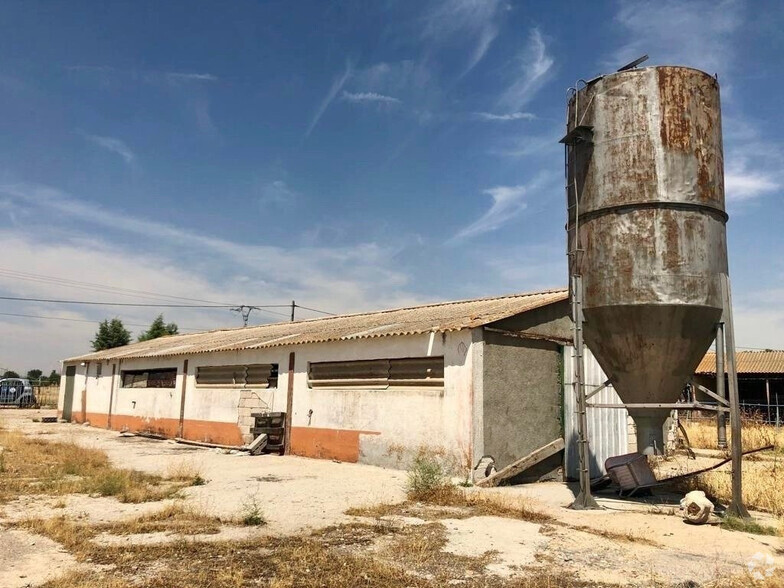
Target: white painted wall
(398, 421)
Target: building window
(259, 375)
(98, 370)
(160, 378)
(377, 373)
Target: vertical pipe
(111, 397)
(183, 388)
(84, 391)
(767, 393)
(289, 404)
(736, 506)
(584, 499)
(721, 416)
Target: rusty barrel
(646, 229)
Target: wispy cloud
(113, 145)
(467, 21)
(489, 116)
(508, 203)
(174, 76)
(145, 75)
(365, 97)
(277, 193)
(337, 86)
(340, 278)
(696, 33)
(533, 68)
(742, 184)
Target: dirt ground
(634, 543)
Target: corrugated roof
(441, 317)
(749, 362)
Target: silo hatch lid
(579, 134)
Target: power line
(75, 320)
(92, 286)
(96, 287)
(95, 303)
(314, 310)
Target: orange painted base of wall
(340, 444)
(207, 431)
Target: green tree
(158, 329)
(111, 333)
(54, 378)
(10, 374)
(34, 374)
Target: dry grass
(30, 465)
(763, 486)
(412, 560)
(72, 535)
(180, 518)
(702, 434)
(456, 503)
(763, 475)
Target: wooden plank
(523, 464)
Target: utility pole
(245, 312)
(293, 306)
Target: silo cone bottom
(650, 433)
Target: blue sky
(349, 155)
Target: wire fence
(763, 413)
(46, 396)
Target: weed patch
(251, 514)
(747, 526)
(35, 466)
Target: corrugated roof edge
(126, 351)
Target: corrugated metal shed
(438, 318)
(608, 432)
(749, 362)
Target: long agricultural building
(460, 379)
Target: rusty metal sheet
(646, 223)
(748, 362)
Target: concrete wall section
(521, 401)
(551, 321)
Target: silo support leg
(584, 499)
(736, 506)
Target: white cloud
(277, 193)
(337, 86)
(360, 97)
(175, 77)
(696, 33)
(122, 249)
(507, 204)
(743, 184)
(113, 145)
(489, 116)
(533, 68)
(463, 21)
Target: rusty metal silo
(646, 229)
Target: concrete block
(258, 444)
(244, 411)
(246, 421)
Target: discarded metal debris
(696, 507)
